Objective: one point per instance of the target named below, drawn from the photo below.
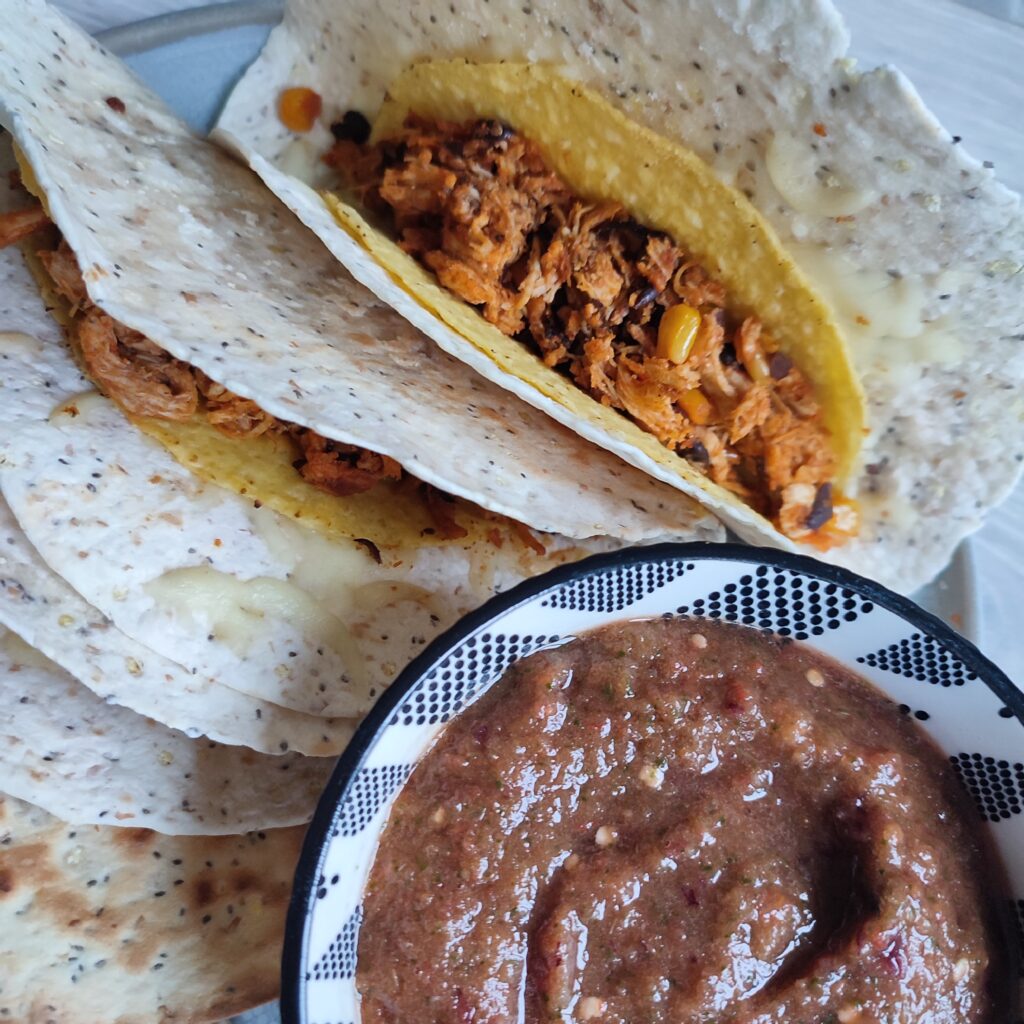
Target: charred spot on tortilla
(657, 291)
(371, 548)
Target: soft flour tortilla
(915, 244)
(192, 604)
(127, 926)
(41, 608)
(35, 375)
(203, 577)
(74, 484)
(179, 242)
(64, 749)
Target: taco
(241, 305)
(516, 191)
(625, 234)
(36, 373)
(207, 510)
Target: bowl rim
(317, 838)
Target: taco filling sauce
(622, 309)
(681, 821)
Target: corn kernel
(677, 331)
(696, 406)
(298, 108)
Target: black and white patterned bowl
(969, 707)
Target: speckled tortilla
(142, 514)
(877, 202)
(127, 926)
(89, 762)
(80, 489)
(119, 519)
(46, 612)
(178, 241)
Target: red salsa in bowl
(683, 821)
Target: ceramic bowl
(967, 705)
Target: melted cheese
(342, 576)
(81, 405)
(235, 611)
(884, 317)
(796, 171)
(17, 343)
(328, 570)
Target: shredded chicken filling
(589, 288)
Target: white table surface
(969, 67)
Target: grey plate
(193, 59)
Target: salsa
(682, 821)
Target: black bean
(697, 453)
(821, 510)
(353, 127)
(493, 129)
(779, 365)
(372, 548)
(645, 298)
